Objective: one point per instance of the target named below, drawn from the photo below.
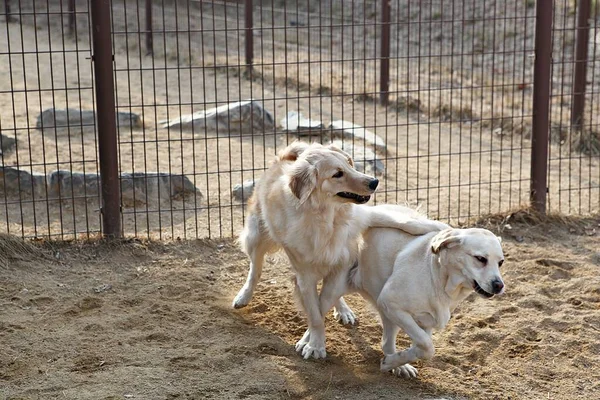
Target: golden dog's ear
(293, 151)
(446, 238)
(335, 148)
(303, 179)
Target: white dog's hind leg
(388, 345)
(256, 244)
(343, 313)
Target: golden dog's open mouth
(481, 292)
(358, 199)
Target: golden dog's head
(326, 173)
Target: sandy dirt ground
(150, 320)
(455, 170)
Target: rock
(247, 116)
(142, 187)
(243, 191)
(137, 188)
(72, 117)
(20, 184)
(350, 131)
(69, 185)
(297, 123)
(7, 144)
(365, 160)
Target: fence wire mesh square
(433, 97)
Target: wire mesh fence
(433, 97)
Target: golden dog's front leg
(397, 217)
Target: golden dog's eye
(338, 174)
(482, 260)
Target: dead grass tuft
(14, 248)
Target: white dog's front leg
(388, 345)
(384, 218)
(422, 347)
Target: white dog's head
(476, 254)
(326, 173)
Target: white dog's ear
(303, 179)
(447, 238)
(499, 239)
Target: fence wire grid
(433, 97)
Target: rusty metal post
(107, 123)
(581, 55)
(72, 17)
(149, 39)
(541, 104)
(249, 37)
(9, 17)
(384, 73)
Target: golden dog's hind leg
(255, 243)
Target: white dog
(308, 204)
(416, 282)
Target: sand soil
(148, 320)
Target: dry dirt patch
(152, 321)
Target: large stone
(69, 185)
(243, 191)
(7, 144)
(365, 160)
(295, 122)
(350, 131)
(137, 188)
(246, 116)
(142, 187)
(72, 117)
(20, 184)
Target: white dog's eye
(500, 263)
(482, 260)
(338, 174)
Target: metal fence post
(541, 104)
(9, 17)
(149, 39)
(581, 55)
(249, 37)
(106, 116)
(384, 74)
(71, 17)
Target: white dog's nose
(497, 286)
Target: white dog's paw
(300, 344)
(405, 371)
(387, 363)
(242, 299)
(312, 351)
(344, 316)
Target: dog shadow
(339, 375)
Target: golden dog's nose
(373, 184)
